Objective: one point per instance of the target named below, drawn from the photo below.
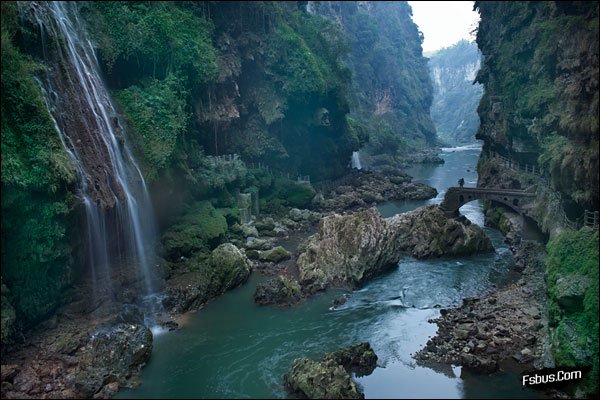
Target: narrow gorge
(297, 199)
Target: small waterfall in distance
(356, 160)
(119, 218)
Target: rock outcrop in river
(349, 249)
(330, 377)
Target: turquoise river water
(235, 349)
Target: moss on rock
(572, 271)
(201, 228)
(275, 255)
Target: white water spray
(356, 160)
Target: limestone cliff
(455, 94)
(391, 89)
(540, 106)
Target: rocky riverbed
(362, 189)
(509, 324)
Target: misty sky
(444, 22)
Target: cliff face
(455, 94)
(391, 89)
(260, 79)
(540, 106)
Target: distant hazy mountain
(455, 97)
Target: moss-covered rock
(553, 90)
(210, 276)
(281, 291)
(321, 380)
(201, 228)
(275, 255)
(330, 377)
(359, 358)
(230, 266)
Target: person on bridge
(461, 182)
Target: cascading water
(118, 211)
(356, 160)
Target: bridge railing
(590, 218)
(300, 179)
(586, 220)
(531, 169)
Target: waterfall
(356, 160)
(118, 213)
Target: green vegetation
(202, 228)
(159, 36)
(157, 115)
(572, 273)
(193, 81)
(36, 180)
(286, 193)
(391, 89)
(455, 96)
(541, 89)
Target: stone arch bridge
(456, 197)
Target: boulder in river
(348, 249)
(276, 254)
(330, 377)
(279, 291)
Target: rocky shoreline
(509, 324)
(77, 356)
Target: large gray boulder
(350, 248)
(230, 266)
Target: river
(235, 349)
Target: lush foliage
(36, 177)
(159, 36)
(574, 256)
(194, 81)
(391, 89)
(200, 229)
(157, 114)
(455, 95)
